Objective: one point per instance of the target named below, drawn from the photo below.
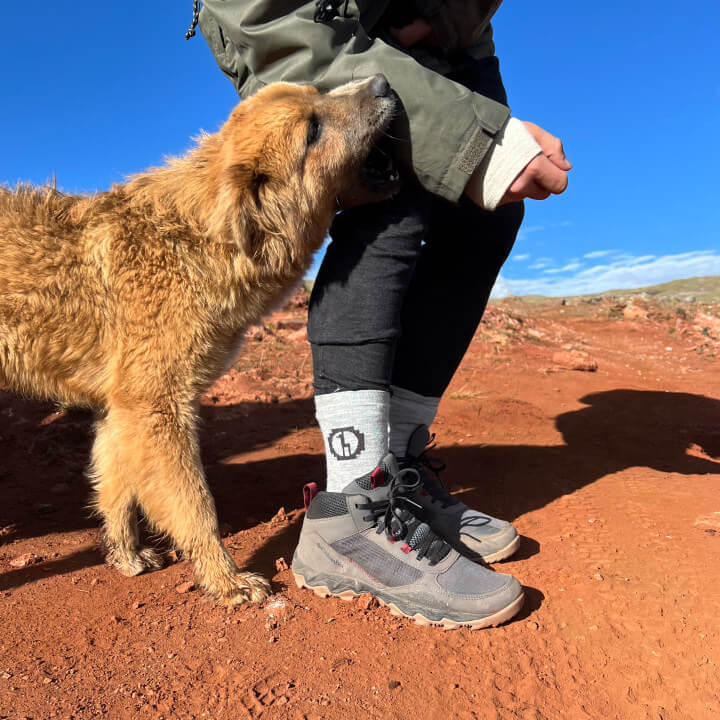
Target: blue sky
(95, 91)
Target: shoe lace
(395, 518)
(430, 469)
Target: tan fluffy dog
(132, 301)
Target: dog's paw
(247, 587)
(134, 562)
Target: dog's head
(288, 152)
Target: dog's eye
(313, 132)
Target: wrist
(512, 149)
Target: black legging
(404, 283)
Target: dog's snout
(380, 86)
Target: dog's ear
(247, 178)
(246, 181)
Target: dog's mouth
(380, 172)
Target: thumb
(551, 146)
(547, 175)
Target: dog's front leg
(116, 502)
(158, 450)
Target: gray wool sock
(354, 425)
(407, 411)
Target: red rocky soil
(610, 471)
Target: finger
(559, 159)
(547, 175)
(530, 182)
(524, 188)
(536, 192)
(551, 146)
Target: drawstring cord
(196, 15)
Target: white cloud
(530, 229)
(622, 271)
(570, 267)
(520, 258)
(597, 254)
(501, 288)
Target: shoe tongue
(380, 477)
(418, 441)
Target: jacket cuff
(514, 147)
(490, 119)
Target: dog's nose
(380, 86)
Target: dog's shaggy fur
(132, 301)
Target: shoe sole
(490, 621)
(510, 549)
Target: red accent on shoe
(406, 548)
(309, 492)
(424, 493)
(377, 478)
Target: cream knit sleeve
(513, 148)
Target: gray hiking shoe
(367, 540)
(473, 533)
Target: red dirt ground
(612, 477)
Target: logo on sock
(346, 443)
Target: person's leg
(353, 327)
(450, 288)
(466, 247)
(445, 301)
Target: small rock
(532, 625)
(138, 605)
(598, 576)
(24, 560)
(633, 311)
(575, 360)
(394, 684)
(368, 602)
(278, 607)
(280, 516)
(185, 587)
(281, 564)
(7, 530)
(291, 323)
(6, 675)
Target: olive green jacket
(450, 128)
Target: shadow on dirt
(41, 464)
(618, 429)
(67, 564)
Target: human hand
(545, 174)
(419, 30)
